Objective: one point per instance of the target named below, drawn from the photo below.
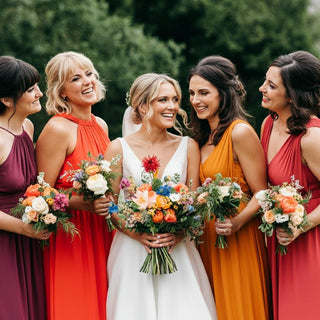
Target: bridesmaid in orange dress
(229, 145)
(75, 270)
(290, 138)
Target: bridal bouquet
(94, 179)
(159, 207)
(45, 208)
(282, 206)
(219, 198)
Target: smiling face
(80, 89)
(274, 95)
(165, 106)
(204, 97)
(29, 102)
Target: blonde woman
(75, 270)
(185, 294)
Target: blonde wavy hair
(145, 89)
(58, 70)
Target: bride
(185, 294)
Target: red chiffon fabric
(295, 276)
(76, 270)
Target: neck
(13, 124)
(213, 123)
(82, 113)
(154, 136)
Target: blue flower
(164, 190)
(113, 208)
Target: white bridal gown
(133, 295)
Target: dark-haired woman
(22, 295)
(290, 138)
(229, 145)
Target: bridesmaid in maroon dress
(22, 295)
(291, 141)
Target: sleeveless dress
(75, 271)
(238, 274)
(296, 275)
(22, 294)
(182, 295)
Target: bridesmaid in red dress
(75, 270)
(290, 138)
(21, 271)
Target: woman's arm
(12, 224)
(250, 155)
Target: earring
(64, 98)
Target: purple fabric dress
(22, 293)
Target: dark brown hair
(300, 73)
(221, 73)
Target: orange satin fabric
(238, 274)
(76, 271)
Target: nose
(38, 91)
(194, 99)
(262, 88)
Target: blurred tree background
(125, 38)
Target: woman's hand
(157, 241)
(284, 238)
(29, 231)
(227, 226)
(101, 205)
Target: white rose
(288, 191)
(223, 191)
(105, 166)
(40, 205)
(261, 195)
(174, 197)
(25, 218)
(281, 217)
(49, 218)
(97, 184)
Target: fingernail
(157, 241)
(158, 237)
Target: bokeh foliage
(125, 38)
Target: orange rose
(33, 190)
(181, 188)
(158, 217)
(170, 216)
(47, 191)
(91, 170)
(288, 204)
(28, 201)
(163, 202)
(144, 187)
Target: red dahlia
(151, 164)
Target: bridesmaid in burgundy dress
(22, 294)
(290, 138)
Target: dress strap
(8, 131)
(75, 119)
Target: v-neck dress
(238, 274)
(22, 294)
(296, 275)
(184, 294)
(75, 270)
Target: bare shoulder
(193, 145)
(242, 132)
(57, 127)
(114, 148)
(310, 139)
(102, 124)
